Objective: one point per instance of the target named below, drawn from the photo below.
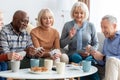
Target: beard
(22, 30)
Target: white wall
(99, 8)
(59, 8)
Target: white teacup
(15, 65)
(60, 66)
(48, 63)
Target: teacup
(60, 66)
(86, 65)
(48, 63)
(15, 65)
(34, 62)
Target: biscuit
(39, 69)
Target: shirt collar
(116, 34)
(83, 26)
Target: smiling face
(47, 20)
(20, 21)
(108, 28)
(78, 14)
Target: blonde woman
(46, 36)
(80, 36)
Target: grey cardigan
(89, 37)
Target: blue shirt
(111, 48)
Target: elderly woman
(80, 36)
(46, 37)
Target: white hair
(110, 18)
(83, 6)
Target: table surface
(71, 71)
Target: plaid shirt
(10, 41)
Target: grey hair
(83, 6)
(110, 18)
(43, 11)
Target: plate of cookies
(38, 70)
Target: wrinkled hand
(30, 51)
(97, 55)
(56, 56)
(40, 52)
(56, 53)
(88, 48)
(72, 32)
(14, 56)
(93, 52)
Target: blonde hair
(43, 11)
(81, 5)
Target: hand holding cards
(54, 51)
(55, 54)
(39, 51)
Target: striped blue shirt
(10, 41)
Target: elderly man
(111, 48)
(10, 56)
(14, 38)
